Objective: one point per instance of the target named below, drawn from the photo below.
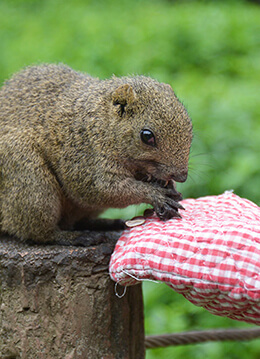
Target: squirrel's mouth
(168, 184)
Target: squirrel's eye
(148, 137)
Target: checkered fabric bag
(211, 255)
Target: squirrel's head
(154, 131)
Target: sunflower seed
(137, 221)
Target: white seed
(135, 222)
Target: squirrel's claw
(168, 210)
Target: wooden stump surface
(59, 302)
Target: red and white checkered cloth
(211, 255)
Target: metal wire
(192, 337)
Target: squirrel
(72, 146)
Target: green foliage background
(209, 52)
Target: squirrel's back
(38, 90)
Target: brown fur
(70, 147)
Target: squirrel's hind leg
(30, 204)
(99, 224)
(85, 238)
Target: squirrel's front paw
(168, 209)
(172, 192)
(167, 206)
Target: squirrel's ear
(123, 95)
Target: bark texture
(59, 302)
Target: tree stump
(59, 302)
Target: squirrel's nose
(180, 176)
